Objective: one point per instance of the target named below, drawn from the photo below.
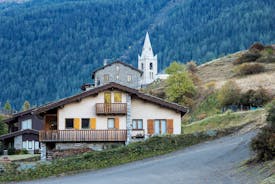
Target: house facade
(103, 116)
(23, 131)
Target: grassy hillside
(227, 120)
(221, 70)
(49, 47)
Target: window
(107, 97)
(151, 66)
(106, 77)
(27, 124)
(129, 78)
(117, 77)
(117, 97)
(111, 123)
(85, 123)
(30, 145)
(142, 66)
(137, 124)
(98, 81)
(69, 123)
(160, 126)
(117, 68)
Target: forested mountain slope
(48, 48)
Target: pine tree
(26, 106)
(7, 106)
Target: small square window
(111, 123)
(137, 124)
(129, 78)
(106, 78)
(85, 123)
(69, 123)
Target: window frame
(129, 78)
(69, 128)
(136, 121)
(26, 124)
(160, 126)
(85, 119)
(116, 97)
(113, 127)
(106, 77)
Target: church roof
(147, 50)
(120, 62)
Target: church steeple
(147, 62)
(147, 50)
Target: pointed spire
(147, 50)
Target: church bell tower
(148, 62)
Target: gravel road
(213, 162)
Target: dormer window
(151, 66)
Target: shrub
(24, 151)
(257, 97)
(264, 143)
(229, 94)
(257, 46)
(11, 151)
(191, 66)
(247, 57)
(248, 69)
(266, 59)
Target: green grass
(222, 121)
(108, 158)
(209, 106)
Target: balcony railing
(112, 108)
(82, 135)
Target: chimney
(105, 62)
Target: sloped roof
(95, 91)
(115, 62)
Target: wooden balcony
(111, 109)
(82, 135)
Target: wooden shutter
(170, 126)
(150, 126)
(117, 122)
(77, 123)
(93, 123)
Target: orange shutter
(77, 123)
(117, 122)
(93, 123)
(150, 126)
(170, 126)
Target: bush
(192, 66)
(229, 94)
(11, 151)
(23, 152)
(255, 98)
(247, 57)
(264, 143)
(248, 69)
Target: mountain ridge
(49, 48)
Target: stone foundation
(92, 146)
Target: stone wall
(92, 146)
(118, 73)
